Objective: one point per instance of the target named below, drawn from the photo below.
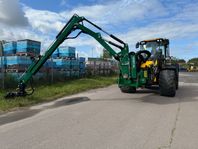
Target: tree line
(193, 61)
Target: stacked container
(66, 61)
(66, 52)
(81, 66)
(3, 61)
(75, 68)
(9, 48)
(62, 64)
(48, 65)
(17, 63)
(75, 64)
(17, 55)
(55, 54)
(28, 47)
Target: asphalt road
(108, 119)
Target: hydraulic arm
(76, 23)
(136, 70)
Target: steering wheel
(141, 57)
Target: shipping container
(9, 48)
(82, 65)
(28, 46)
(16, 64)
(62, 63)
(65, 51)
(75, 64)
(3, 61)
(50, 64)
(55, 54)
(18, 60)
(81, 59)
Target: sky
(130, 20)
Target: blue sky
(131, 20)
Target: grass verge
(46, 93)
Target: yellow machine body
(147, 64)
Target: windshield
(152, 47)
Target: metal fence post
(2, 64)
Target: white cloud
(44, 21)
(169, 30)
(106, 14)
(82, 53)
(11, 13)
(51, 23)
(179, 26)
(116, 12)
(162, 21)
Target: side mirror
(137, 45)
(167, 42)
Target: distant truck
(192, 68)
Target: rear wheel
(128, 89)
(167, 83)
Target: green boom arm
(74, 24)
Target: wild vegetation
(46, 92)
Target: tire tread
(167, 83)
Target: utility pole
(92, 52)
(52, 71)
(2, 63)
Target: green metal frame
(127, 62)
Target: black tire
(128, 89)
(167, 83)
(177, 82)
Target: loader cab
(157, 47)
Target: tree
(181, 61)
(194, 61)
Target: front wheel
(177, 82)
(167, 83)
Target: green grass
(46, 93)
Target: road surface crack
(173, 130)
